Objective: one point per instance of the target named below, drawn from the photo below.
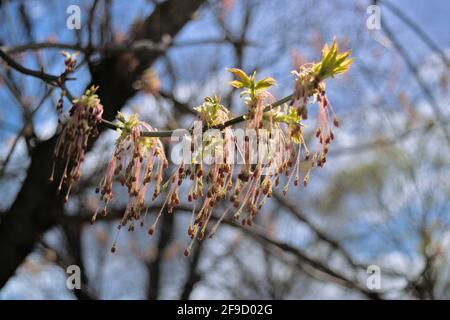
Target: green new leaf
(265, 83)
(333, 62)
(237, 84)
(244, 78)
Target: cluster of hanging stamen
(252, 186)
(137, 161)
(84, 116)
(221, 184)
(326, 119)
(210, 183)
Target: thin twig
(48, 78)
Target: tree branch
(48, 78)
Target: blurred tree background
(382, 199)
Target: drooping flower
(136, 161)
(85, 115)
(294, 143)
(250, 183)
(139, 159)
(242, 193)
(210, 183)
(310, 82)
(326, 118)
(213, 184)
